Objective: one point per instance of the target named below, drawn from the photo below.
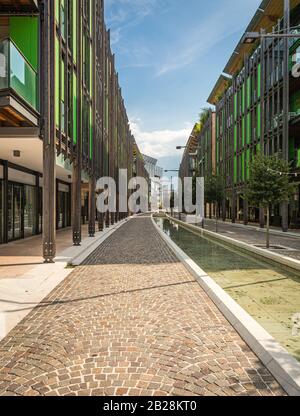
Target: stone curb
(278, 258)
(276, 359)
(21, 295)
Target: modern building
(63, 122)
(188, 163)
(257, 109)
(155, 174)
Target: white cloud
(160, 143)
(123, 14)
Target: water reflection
(267, 292)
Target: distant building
(155, 174)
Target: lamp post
(285, 35)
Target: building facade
(257, 110)
(155, 173)
(63, 122)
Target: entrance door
(15, 211)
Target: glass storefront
(1, 213)
(21, 212)
(30, 211)
(22, 205)
(63, 210)
(14, 212)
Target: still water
(270, 294)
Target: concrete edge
(84, 254)
(284, 367)
(242, 246)
(28, 291)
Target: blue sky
(169, 54)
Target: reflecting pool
(270, 294)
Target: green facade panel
(74, 82)
(258, 128)
(248, 128)
(57, 76)
(24, 32)
(248, 92)
(258, 80)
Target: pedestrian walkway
(21, 256)
(251, 235)
(130, 321)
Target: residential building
(63, 122)
(188, 163)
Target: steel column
(48, 133)
(77, 164)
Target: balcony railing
(16, 74)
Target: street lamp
(180, 147)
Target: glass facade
(63, 210)
(1, 212)
(24, 210)
(17, 74)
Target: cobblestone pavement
(254, 236)
(130, 321)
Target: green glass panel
(57, 10)
(57, 75)
(243, 131)
(74, 81)
(23, 79)
(248, 129)
(235, 106)
(74, 30)
(258, 80)
(62, 80)
(248, 92)
(258, 120)
(24, 33)
(91, 71)
(243, 95)
(235, 169)
(91, 133)
(235, 138)
(247, 163)
(298, 158)
(243, 167)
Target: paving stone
(130, 320)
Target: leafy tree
(203, 116)
(214, 193)
(268, 184)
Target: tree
(203, 116)
(268, 184)
(214, 193)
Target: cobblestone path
(130, 321)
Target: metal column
(48, 132)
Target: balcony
(19, 6)
(18, 88)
